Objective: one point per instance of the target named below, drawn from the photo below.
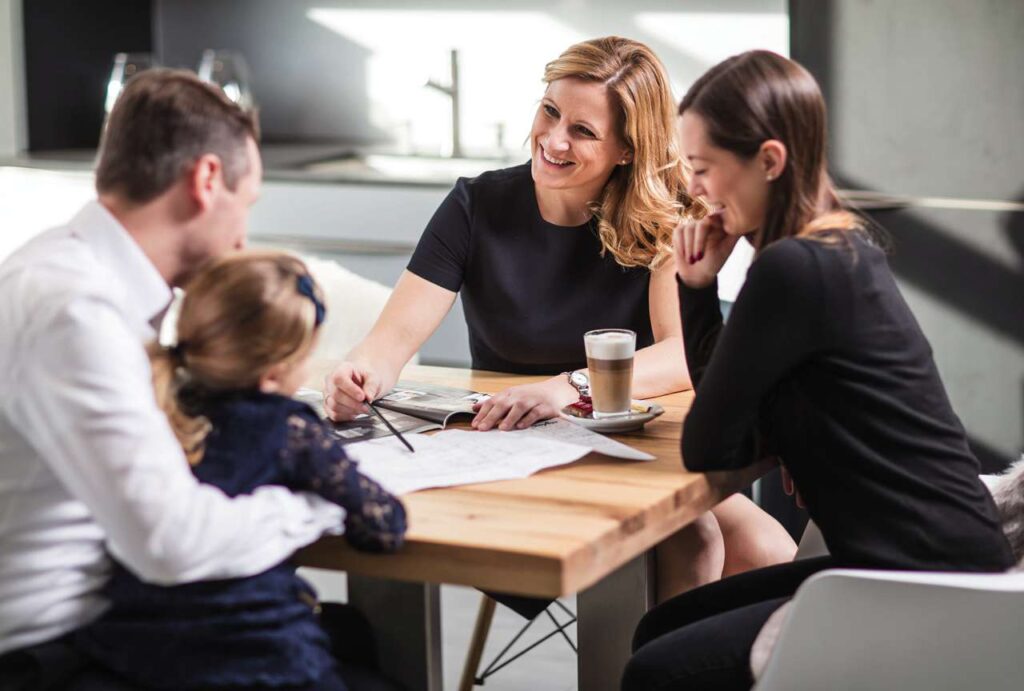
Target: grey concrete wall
(926, 99)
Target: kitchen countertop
(346, 164)
(309, 163)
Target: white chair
(913, 631)
(910, 631)
(353, 305)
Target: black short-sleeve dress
(530, 289)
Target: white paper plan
(564, 430)
(457, 457)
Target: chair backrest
(901, 630)
(353, 305)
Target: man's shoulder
(55, 253)
(50, 271)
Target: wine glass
(228, 70)
(126, 66)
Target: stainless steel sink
(409, 167)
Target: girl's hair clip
(177, 352)
(306, 287)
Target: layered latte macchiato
(610, 363)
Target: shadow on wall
(1014, 229)
(1013, 226)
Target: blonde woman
(576, 239)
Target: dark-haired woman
(821, 365)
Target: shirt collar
(146, 295)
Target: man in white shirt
(88, 462)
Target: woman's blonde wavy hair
(644, 199)
(241, 315)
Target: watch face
(579, 380)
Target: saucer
(639, 415)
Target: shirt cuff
(697, 300)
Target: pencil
(391, 428)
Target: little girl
(247, 328)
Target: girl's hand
(350, 387)
(519, 407)
(701, 249)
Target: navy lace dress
(260, 631)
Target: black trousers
(60, 666)
(702, 638)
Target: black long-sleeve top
(823, 365)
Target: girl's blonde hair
(644, 199)
(241, 315)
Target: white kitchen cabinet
(370, 229)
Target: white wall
(358, 68)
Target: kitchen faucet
(452, 92)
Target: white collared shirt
(734, 273)
(88, 462)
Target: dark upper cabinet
(69, 50)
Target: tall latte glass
(610, 362)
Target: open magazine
(414, 407)
(410, 407)
(432, 402)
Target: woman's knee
(702, 539)
(690, 558)
(752, 538)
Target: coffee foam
(610, 346)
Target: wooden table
(584, 528)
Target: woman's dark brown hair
(750, 98)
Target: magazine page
(365, 427)
(431, 401)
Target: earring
(769, 177)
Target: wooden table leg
(406, 622)
(608, 613)
(484, 616)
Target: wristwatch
(579, 381)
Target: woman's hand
(519, 407)
(350, 387)
(701, 249)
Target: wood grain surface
(549, 535)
